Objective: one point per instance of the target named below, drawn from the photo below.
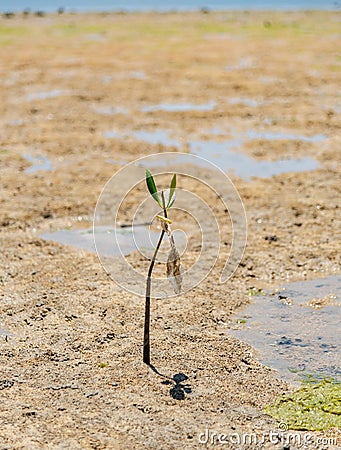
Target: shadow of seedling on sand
(178, 389)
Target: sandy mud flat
(76, 93)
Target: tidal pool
(110, 241)
(125, 242)
(227, 154)
(296, 330)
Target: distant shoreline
(156, 6)
(37, 12)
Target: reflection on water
(297, 330)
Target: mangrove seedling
(165, 201)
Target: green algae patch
(313, 407)
(254, 292)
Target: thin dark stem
(146, 334)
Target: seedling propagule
(165, 201)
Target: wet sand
(72, 375)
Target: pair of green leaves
(168, 196)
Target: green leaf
(170, 204)
(152, 186)
(172, 190)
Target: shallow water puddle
(276, 136)
(126, 241)
(110, 110)
(105, 239)
(38, 163)
(224, 154)
(159, 136)
(44, 95)
(180, 107)
(297, 330)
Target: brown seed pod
(174, 266)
